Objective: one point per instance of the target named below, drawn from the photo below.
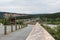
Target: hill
(8, 14)
(53, 15)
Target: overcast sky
(30, 6)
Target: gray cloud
(31, 6)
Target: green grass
(54, 32)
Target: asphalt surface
(21, 34)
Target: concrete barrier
(39, 33)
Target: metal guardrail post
(15, 27)
(19, 26)
(5, 30)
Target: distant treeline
(53, 15)
(50, 18)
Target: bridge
(32, 32)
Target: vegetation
(20, 22)
(49, 18)
(4, 21)
(54, 32)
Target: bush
(54, 32)
(4, 21)
(20, 22)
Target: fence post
(5, 30)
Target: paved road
(39, 33)
(21, 34)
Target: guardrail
(12, 28)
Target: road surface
(19, 34)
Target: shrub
(4, 21)
(54, 32)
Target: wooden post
(5, 30)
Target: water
(51, 25)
